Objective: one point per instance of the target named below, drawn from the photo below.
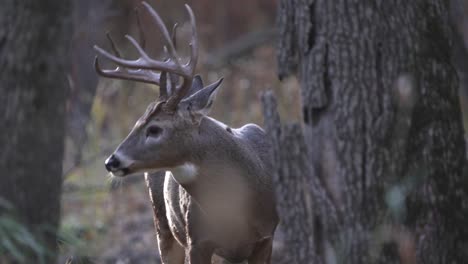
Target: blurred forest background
(111, 222)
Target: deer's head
(166, 133)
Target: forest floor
(110, 224)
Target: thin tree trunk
(87, 19)
(376, 167)
(33, 55)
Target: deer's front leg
(199, 248)
(170, 250)
(199, 254)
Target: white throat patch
(185, 173)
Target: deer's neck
(222, 164)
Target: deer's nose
(112, 163)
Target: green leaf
(12, 250)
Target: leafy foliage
(17, 243)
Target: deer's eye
(153, 131)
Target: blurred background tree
(373, 172)
(34, 40)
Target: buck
(217, 191)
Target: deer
(217, 193)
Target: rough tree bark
(458, 15)
(33, 55)
(373, 174)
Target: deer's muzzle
(114, 165)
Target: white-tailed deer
(218, 195)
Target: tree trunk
(458, 15)
(33, 56)
(87, 19)
(374, 172)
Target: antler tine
(174, 35)
(163, 86)
(157, 19)
(174, 79)
(193, 41)
(180, 92)
(114, 47)
(125, 74)
(140, 29)
(144, 62)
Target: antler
(143, 69)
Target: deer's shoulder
(250, 132)
(257, 141)
(251, 138)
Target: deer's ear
(197, 85)
(200, 102)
